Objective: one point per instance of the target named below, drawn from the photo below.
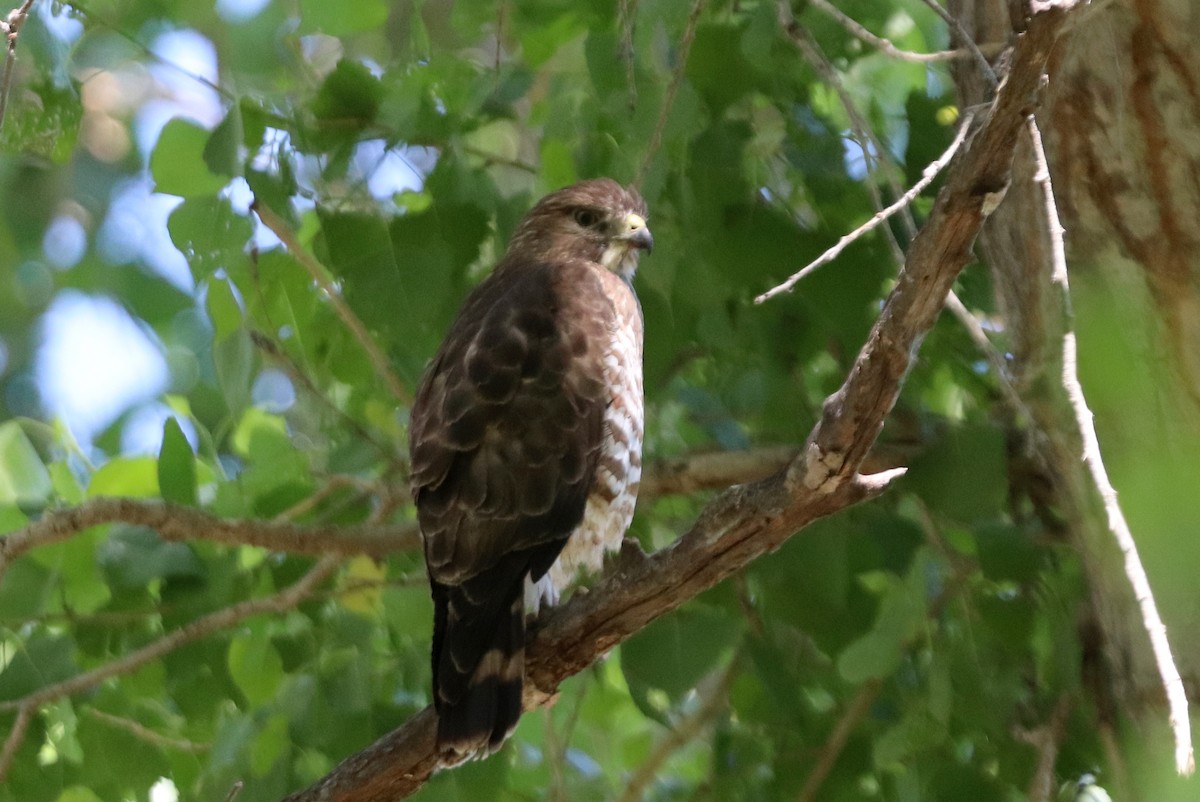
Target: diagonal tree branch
(747, 521)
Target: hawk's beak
(635, 232)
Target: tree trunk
(1121, 125)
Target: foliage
(401, 142)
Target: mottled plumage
(526, 439)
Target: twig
(11, 27)
(202, 627)
(273, 350)
(747, 521)
(968, 321)
(832, 749)
(1177, 703)
(685, 47)
(869, 143)
(16, 735)
(144, 733)
(1046, 740)
(178, 522)
(626, 12)
(985, 67)
(883, 44)
(927, 177)
(280, 228)
(713, 699)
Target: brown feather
(509, 439)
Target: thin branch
(885, 45)
(178, 522)
(11, 27)
(956, 27)
(833, 747)
(495, 158)
(685, 47)
(747, 521)
(202, 627)
(968, 321)
(927, 177)
(863, 135)
(274, 350)
(626, 15)
(144, 733)
(712, 700)
(1177, 703)
(280, 229)
(15, 736)
(1046, 739)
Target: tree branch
(202, 627)
(747, 521)
(144, 733)
(178, 522)
(685, 47)
(1177, 703)
(11, 28)
(712, 700)
(885, 45)
(859, 707)
(288, 237)
(927, 176)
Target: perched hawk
(526, 444)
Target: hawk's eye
(587, 218)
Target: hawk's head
(596, 220)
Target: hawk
(526, 446)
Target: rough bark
(1121, 124)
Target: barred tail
(478, 667)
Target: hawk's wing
(505, 437)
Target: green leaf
(136, 477)
(670, 656)
(254, 664)
(222, 152)
(361, 254)
(78, 793)
(177, 163)
(176, 465)
(270, 744)
(27, 591)
(962, 475)
(223, 308)
(339, 19)
(235, 359)
(350, 94)
(134, 556)
(901, 615)
(42, 660)
(23, 476)
(210, 234)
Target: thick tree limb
(747, 521)
(1177, 703)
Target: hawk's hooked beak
(635, 232)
